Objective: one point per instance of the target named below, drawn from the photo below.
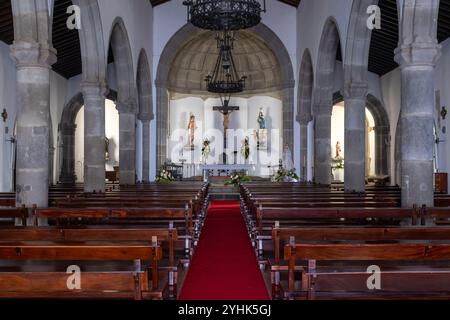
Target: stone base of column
(32, 187)
(354, 177)
(94, 178)
(417, 183)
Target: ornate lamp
(224, 15)
(225, 79)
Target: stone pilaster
(417, 61)
(127, 141)
(94, 136)
(355, 95)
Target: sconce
(4, 115)
(443, 113)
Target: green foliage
(164, 176)
(337, 163)
(236, 179)
(283, 175)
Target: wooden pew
(128, 284)
(166, 237)
(12, 214)
(414, 282)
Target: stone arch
(92, 44)
(67, 130)
(304, 112)
(382, 132)
(178, 40)
(323, 100)
(127, 102)
(145, 113)
(358, 43)
(382, 135)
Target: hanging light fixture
(225, 79)
(224, 15)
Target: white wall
(8, 102)
(210, 123)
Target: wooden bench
(111, 284)
(416, 282)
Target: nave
(295, 241)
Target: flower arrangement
(283, 175)
(246, 148)
(164, 177)
(236, 179)
(337, 163)
(206, 149)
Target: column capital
(31, 53)
(304, 119)
(355, 90)
(126, 106)
(418, 54)
(94, 89)
(146, 117)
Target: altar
(228, 169)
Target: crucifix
(225, 110)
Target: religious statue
(287, 158)
(338, 150)
(191, 130)
(261, 133)
(261, 120)
(245, 149)
(226, 121)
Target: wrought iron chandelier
(225, 79)
(224, 15)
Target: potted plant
(236, 179)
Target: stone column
(68, 158)
(322, 142)
(94, 136)
(417, 63)
(304, 121)
(127, 142)
(355, 95)
(146, 148)
(162, 115)
(288, 117)
(34, 55)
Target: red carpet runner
(224, 266)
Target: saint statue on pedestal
(191, 130)
(261, 120)
(338, 150)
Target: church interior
(224, 149)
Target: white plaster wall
(311, 18)
(210, 123)
(8, 102)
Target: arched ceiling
(197, 58)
